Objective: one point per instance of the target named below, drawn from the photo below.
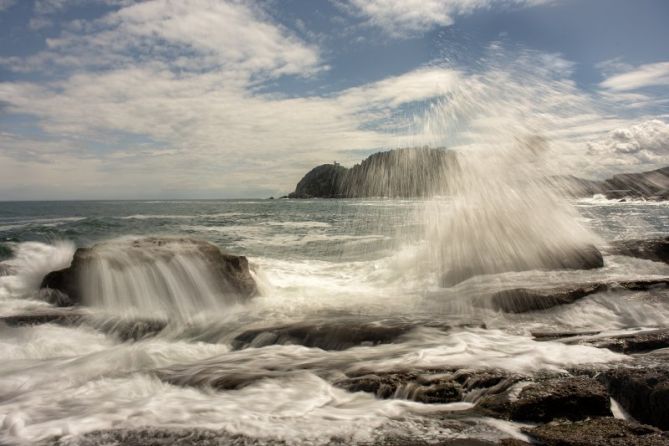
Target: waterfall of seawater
(172, 279)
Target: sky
(124, 99)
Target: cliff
(410, 172)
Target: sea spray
(501, 213)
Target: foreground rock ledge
(64, 288)
(598, 432)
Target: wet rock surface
(642, 392)
(573, 398)
(521, 300)
(633, 343)
(46, 316)
(651, 249)
(326, 335)
(209, 437)
(598, 432)
(122, 329)
(232, 271)
(584, 257)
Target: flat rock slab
(122, 329)
(642, 342)
(573, 398)
(598, 432)
(50, 316)
(523, 300)
(643, 392)
(333, 335)
(152, 436)
(656, 249)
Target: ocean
(342, 263)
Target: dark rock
(521, 300)
(324, 181)
(651, 249)
(232, 271)
(123, 329)
(598, 432)
(633, 343)
(640, 285)
(651, 185)
(156, 436)
(554, 335)
(585, 257)
(326, 335)
(410, 172)
(56, 297)
(642, 392)
(50, 316)
(413, 385)
(6, 252)
(645, 185)
(574, 398)
(130, 329)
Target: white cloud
(6, 4)
(403, 17)
(649, 75)
(643, 143)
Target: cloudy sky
(220, 99)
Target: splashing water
(502, 214)
(155, 278)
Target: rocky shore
(619, 403)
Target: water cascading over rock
(152, 277)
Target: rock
(326, 335)
(51, 316)
(574, 398)
(409, 172)
(642, 392)
(123, 329)
(521, 300)
(412, 385)
(56, 297)
(157, 436)
(633, 343)
(130, 329)
(555, 335)
(585, 257)
(598, 432)
(6, 251)
(323, 181)
(231, 271)
(650, 185)
(656, 250)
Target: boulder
(598, 432)
(642, 392)
(232, 273)
(573, 398)
(656, 249)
